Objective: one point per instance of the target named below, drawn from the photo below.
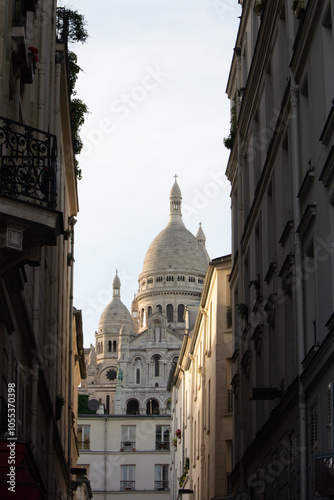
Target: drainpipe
(72, 222)
(298, 286)
(35, 365)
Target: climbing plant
(71, 28)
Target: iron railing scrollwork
(28, 164)
(127, 485)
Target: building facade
(40, 336)
(281, 172)
(201, 396)
(129, 367)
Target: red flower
(34, 50)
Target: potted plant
(243, 311)
(259, 7)
(174, 442)
(178, 433)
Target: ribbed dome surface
(114, 317)
(175, 249)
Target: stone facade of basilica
(129, 366)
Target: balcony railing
(162, 446)
(128, 445)
(161, 485)
(127, 485)
(27, 164)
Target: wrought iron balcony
(162, 446)
(127, 485)
(27, 164)
(161, 485)
(128, 445)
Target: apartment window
(170, 313)
(128, 473)
(162, 437)
(84, 437)
(161, 477)
(128, 433)
(180, 313)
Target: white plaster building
(202, 397)
(128, 369)
(281, 172)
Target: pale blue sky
(154, 78)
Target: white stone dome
(116, 313)
(175, 248)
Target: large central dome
(175, 248)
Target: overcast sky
(154, 79)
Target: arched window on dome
(101, 347)
(180, 313)
(109, 345)
(156, 360)
(142, 316)
(159, 308)
(149, 311)
(137, 375)
(157, 331)
(170, 313)
(114, 346)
